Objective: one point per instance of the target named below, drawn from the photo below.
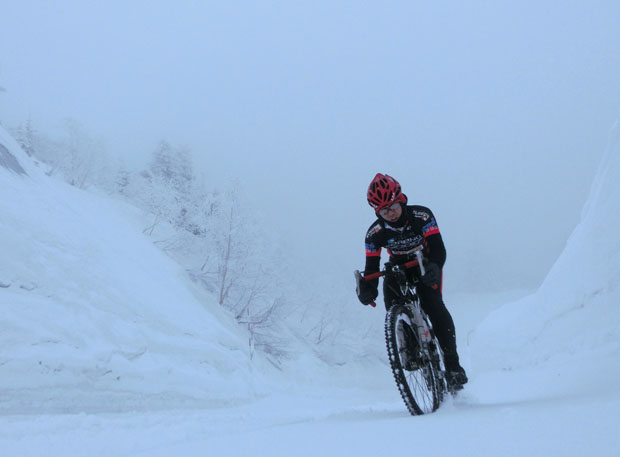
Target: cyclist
(401, 228)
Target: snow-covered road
(508, 414)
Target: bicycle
(414, 353)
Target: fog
(493, 114)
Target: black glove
(367, 292)
(432, 275)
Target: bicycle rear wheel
(417, 382)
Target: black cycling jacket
(418, 227)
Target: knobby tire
(421, 389)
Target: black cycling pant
(432, 303)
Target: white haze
(494, 114)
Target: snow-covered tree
(81, 154)
(76, 157)
(26, 136)
(174, 166)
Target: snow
(107, 350)
(93, 311)
(577, 309)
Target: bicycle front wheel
(414, 373)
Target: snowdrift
(575, 315)
(94, 317)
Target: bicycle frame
(405, 286)
(421, 383)
(409, 295)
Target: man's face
(391, 213)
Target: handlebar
(418, 261)
(378, 274)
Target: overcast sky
(493, 113)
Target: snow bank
(577, 308)
(95, 316)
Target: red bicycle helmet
(383, 191)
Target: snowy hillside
(94, 316)
(574, 318)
